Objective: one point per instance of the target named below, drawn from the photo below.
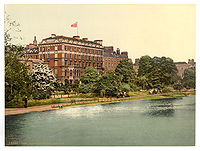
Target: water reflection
(157, 108)
(147, 122)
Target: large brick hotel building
(69, 56)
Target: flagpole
(77, 30)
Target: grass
(92, 97)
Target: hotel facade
(69, 56)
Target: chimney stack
(76, 37)
(53, 35)
(85, 39)
(35, 41)
(99, 41)
(118, 51)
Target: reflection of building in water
(161, 108)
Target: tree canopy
(89, 80)
(125, 69)
(189, 78)
(156, 72)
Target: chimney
(85, 39)
(53, 35)
(76, 37)
(99, 41)
(35, 41)
(124, 54)
(118, 51)
(137, 60)
(191, 61)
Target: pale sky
(155, 30)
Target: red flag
(74, 24)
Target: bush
(15, 103)
(167, 89)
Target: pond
(136, 123)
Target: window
(36, 57)
(65, 62)
(70, 55)
(97, 58)
(93, 64)
(70, 63)
(82, 64)
(75, 56)
(48, 48)
(86, 50)
(43, 56)
(31, 56)
(79, 56)
(70, 73)
(93, 58)
(75, 72)
(65, 72)
(79, 49)
(43, 48)
(86, 64)
(89, 58)
(71, 81)
(97, 64)
(65, 47)
(56, 47)
(89, 50)
(79, 63)
(70, 48)
(65, 55)
(89, 63)
(74, 48)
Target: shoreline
(15, 111)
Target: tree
(89, 80)
(110, 84)
(11, 30)
(156, 72)
(17, 78)
(125, 69)
(43, 81)
(189, 78)
(145, 65)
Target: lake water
(146, 122)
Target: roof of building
(180, 63)
(70, 38)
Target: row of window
(84, 64)
(77, 73)
(79, 57)
(85, 50)
(110, 65)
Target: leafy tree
(125, 87)
(145, 65)
(89, 80)
(125, 69)
(75, 86)
(17, 79)
(189, 78)
(110, 84)
(11, 30)
(156, 72)
(43, 81)
(143, 82)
